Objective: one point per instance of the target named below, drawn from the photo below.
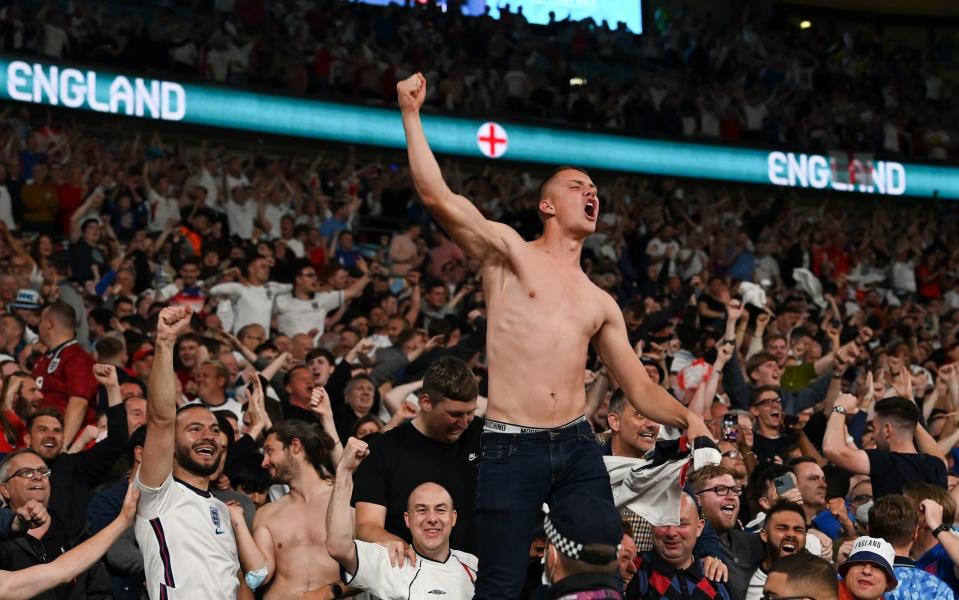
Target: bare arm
(834, 445)
(477, 236)
(926, 444)
(33, 581)
(393, 398)
(652, 401)
(73, 416)
(339, 521)
(161, 399)
(254, 555)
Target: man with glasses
(718, 495)
(801, 577)
(305, 309)
(25, 478)
(670, 570)
(767, 408)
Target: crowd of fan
(759, 80)
(819, 343)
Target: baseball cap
(875, 551)
(141, 354)
(27, 299)
(595, 540)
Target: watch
(839, 409)
(938, 530)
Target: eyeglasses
(734, 454)
(309, 274)
(861, 499)
(768, 401)
(723, 490)
(30, 473)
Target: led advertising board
(50, 84)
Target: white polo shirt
(251, 304)
(187, 543)
(295, 316)
(450, 580)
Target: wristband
(942, 528)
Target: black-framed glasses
(30, 473)
(768, 401)
(861, 499)
(723, 490)
(733, 454)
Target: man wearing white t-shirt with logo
(438, 570)
(253, 300)
(184, 532)
(306, 308)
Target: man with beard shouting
(183, 532)
(784, 534)
(287, 548)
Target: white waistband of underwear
(500, 427)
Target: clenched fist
(173, 321)
(411, 92)
(354, 453)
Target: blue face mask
(255, 579)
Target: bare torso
(298, 530)
(542, 314)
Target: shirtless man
(287, 549)
(543, 313)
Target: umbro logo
(473, 456)
(441, 592)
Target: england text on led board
(98, 90)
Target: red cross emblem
(492, 140)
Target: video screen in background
(629, 12)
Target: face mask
(862, 513)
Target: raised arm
(339, 520)
(834, 446)
(651, 400)
(478, 237)
(33, 581)
(161, 399)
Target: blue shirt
(938, 563)
(916, 584)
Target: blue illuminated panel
(60, 85)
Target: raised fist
(173, 321)
(411, 92)
(106, 375)
(320, 402)
(354, 453)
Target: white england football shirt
(187, 543)
(251, 304)
(295, 316)
(450, 580)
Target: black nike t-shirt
(891, 471)
(403, 458)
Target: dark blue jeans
(518, 473)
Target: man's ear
(546, 207)
(763, 535)
(426, 405)
(406, 519)
(4, 493)
(613, 420)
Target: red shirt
(67, 371)
(19, 430)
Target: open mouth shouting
(205, 449)
(50, 443)
(788, 546)
(591, 209)
(728, 510)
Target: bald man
(430, 516)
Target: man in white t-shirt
(438, 570)
(305, 309)
(253, 300)
(160, 200)
(184, 533)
